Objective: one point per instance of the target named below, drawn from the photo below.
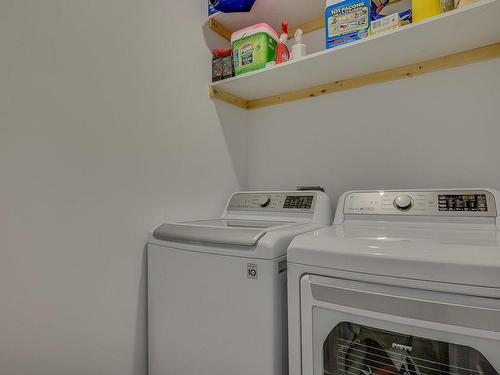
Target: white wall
(106, 130)
(437, 130)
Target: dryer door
(355, 328)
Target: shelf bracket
(219, 28)
(227, 97)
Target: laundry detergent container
(254, 47)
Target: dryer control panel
(274, 202)
(422, 203)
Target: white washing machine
(404, 282)
(217, 288)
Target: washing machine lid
(458, 256)
(219, 231)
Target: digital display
(299, 202)
(473, 202)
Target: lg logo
(252, 272)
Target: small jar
(447, 5)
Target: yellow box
(423, 9)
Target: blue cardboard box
(383, 8)
(211, 9)
(347, 21)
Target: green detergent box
(346, 21)
(254, 47)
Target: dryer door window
(353, 349)
(358, 328)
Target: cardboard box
(211, 9)
(346, 21)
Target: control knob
(264, 201)
(403, 202)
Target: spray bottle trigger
(298, 36)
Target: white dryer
(217, 288)
(404, 282)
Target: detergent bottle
(283, 53)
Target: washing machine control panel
(274, 202)
(422, 203)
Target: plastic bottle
(299, 48)
(282, 52)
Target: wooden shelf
(456, 38)
(305, 14)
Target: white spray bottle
(299, 48)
